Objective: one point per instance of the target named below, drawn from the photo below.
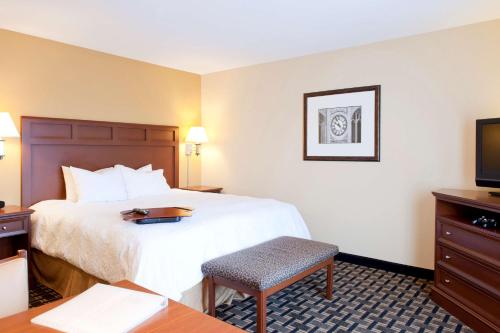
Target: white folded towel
(103, 308)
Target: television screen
(488, 153)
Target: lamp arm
(2, 149)
(187, 175)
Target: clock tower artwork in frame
(340, 125)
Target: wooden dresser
(467, 258)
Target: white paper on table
(103, 308)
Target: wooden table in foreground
(175, 318)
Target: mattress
(167, 257)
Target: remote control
(140, 211)
(485, 222)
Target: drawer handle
(448, 233)
(4, 228)
(447, 257)
(447, 281)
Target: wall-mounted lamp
(197, 136)
(7, 130)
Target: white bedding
(165, 258)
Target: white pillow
(71, 192)
(140, 184)
(148, 167)
(69, 184)
(105, 185)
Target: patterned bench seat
(264, 269)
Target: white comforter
(165, 258)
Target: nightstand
(210, 189)
(14, 230)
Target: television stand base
(494, 194)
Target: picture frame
(342, 125)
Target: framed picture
(342, 125)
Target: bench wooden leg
(261, 312)
(329, 280)
(211, 296)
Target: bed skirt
(69, 280)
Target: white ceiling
(204, 36)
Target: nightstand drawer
(13, 226)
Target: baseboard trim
(423, 273)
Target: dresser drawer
(475, 299)
(13, 226)
(470, 240)
(483, 273)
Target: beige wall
(433, 88)
(44, 78)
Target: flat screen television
(488, 153)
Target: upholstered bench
(265, 269)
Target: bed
(77, 244)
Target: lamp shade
(7, 127)
(197, 135)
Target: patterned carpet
(365, 300)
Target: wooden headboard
(49, 143)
